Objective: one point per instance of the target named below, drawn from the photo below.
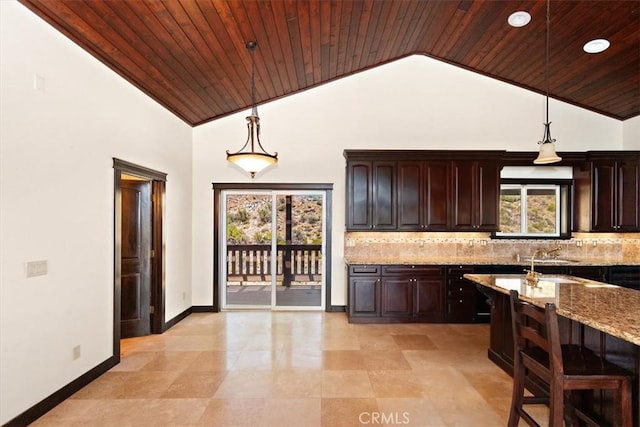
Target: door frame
(158, 186)
(218, 188)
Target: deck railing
(294, 263)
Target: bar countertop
(609, 308)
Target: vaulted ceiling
(190, 55)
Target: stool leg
(517, 395)
(556, 405)
(623, 399)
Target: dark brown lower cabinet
(460, 302)
(435, 293)
(364, 291)
(395, 293)
(624, 275)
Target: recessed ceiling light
(596, 46)
(519, 19)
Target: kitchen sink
(557, 280)
(554, 261)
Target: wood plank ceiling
(190, 55)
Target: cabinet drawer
(422, 270)
(364, 269)
(460, 290)
(456, 273)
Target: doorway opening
(272, 247)
(138, 251)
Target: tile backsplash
(605, 247)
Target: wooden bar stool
(537, 351)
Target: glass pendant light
(547, 153)
(252, 160)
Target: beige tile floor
(296, 369)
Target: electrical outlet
(483, 242)
(579, 243)
(37, 268)
(75, 353)
(184, 296)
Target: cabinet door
(486, 200)
(423, 195)
(474, 195)
(358, 204)
(383, 208)
(409, 196)
(628, 195)
(436, 176)
(397, 297)
(428, 298)
(603, 195)
(462, 195)
(364, 296)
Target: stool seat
(562, 367)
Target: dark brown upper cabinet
(423, 195)
(615, 193)
(607, 192)
(475, 195)
(371, 195)
(417, 190)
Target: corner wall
(56, 198)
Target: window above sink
(534, 202)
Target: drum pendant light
(256, 158)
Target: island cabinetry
(423, 194)
(371, 197)
(475, 191)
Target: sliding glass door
(272, 249)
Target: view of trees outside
(541, 211)
(249, 219)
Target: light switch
(37, 268)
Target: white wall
(56, 190)
(413, 103)
(631, 134)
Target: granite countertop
(608, 308)
(422, 260)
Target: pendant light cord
(254, 107)
(547, 60)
